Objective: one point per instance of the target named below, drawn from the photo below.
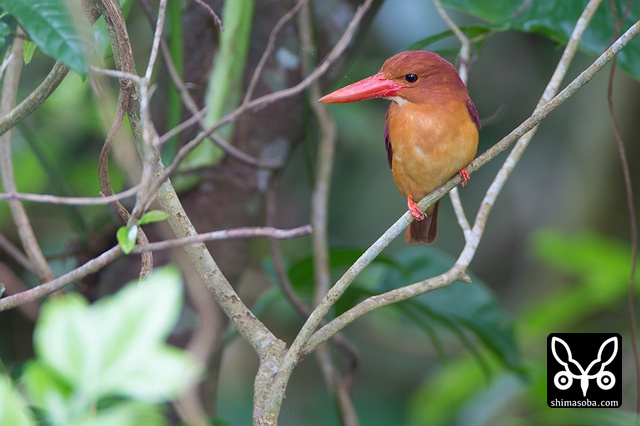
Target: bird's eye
(411, 78)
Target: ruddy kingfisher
(430, 130)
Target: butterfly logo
(595, 370)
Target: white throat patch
(397, 99)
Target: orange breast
(430, 143)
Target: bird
(431, 128)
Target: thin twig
(35, 293)
(212, 12)
(463, 70)
(157, 36)
(465, 43)
(70, 201)
(18, 212)
(15, 253)
(271, 42)
(194, 119)
(35, 98)
(227, 234)
(120, 75)
(14, 285)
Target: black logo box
(579, 363)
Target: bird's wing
(387, 140)
(473, 112)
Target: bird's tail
(424, 230)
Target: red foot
(465, 177)
(415, 210)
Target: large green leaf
(555, 19)
(462, 308)
(52, 27)
(116, 347)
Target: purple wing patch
(474, 113)
(387, 140)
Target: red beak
(375, 86)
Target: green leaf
(116, 347)
(127, 236)
(59, 31)
(555, 19)
(152, 216)
(28, 49)
(13, 410)
(460, 307)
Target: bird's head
(411, 76)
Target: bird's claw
(465, 177)
(415, 210)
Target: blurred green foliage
(597, 269)
(107, 363)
